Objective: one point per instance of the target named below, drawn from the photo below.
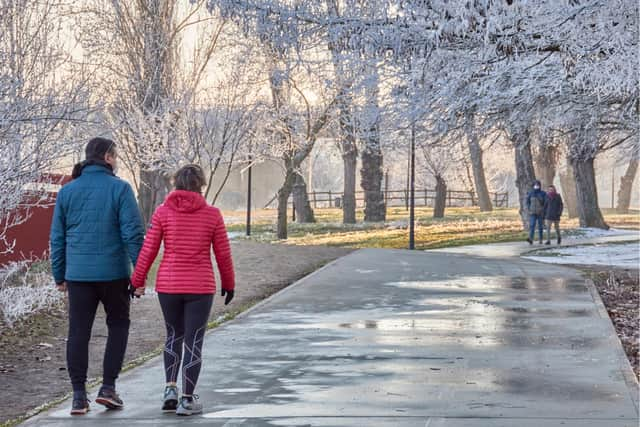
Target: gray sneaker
(170, 401)
(189, 406)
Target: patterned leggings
(186, 317)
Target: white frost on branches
(42, 106)
(25, 291)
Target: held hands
(135, 292)
(229, 296)
(62, 287)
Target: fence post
(425, 197)
(293, 214)
(330, 200)
(386, 188)
(495, 199)
(315, 202)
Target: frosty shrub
(25, 290)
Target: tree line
(227, 83)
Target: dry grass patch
(461, 226)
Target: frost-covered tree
(148, 75)
(626, 186)
(525, 67)
(295, 126)
(288, 44)
(438, 160)
(519, 60)
(43, 106)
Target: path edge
(625, 365)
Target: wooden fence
(423, 197)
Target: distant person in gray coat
(553, 208)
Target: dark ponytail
(77, 170)
(95, 152)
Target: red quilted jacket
(189, 228)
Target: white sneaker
(170, 401)
(189, 406)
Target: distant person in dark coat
(535, 206)
(553, 212)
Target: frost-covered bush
(25, 290)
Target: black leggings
(186, 317)
(83, 303)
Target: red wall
(32, 237)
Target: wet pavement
(516, 249)
(398, 338)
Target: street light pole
(412, 195)
(249, 196)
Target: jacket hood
(185, 201)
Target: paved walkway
(516, 249)
(398, 338)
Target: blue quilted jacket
(97, 230)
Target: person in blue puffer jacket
(96, 235)
(536, 200)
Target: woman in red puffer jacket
(185, 283)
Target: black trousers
(83, 303)
(186, 317)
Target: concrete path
(398, 338)
(516, 249)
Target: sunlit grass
(461, 226)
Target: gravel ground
(620, 292)
(32, 360)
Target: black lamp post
(412, 195)
(249, 196)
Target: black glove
(229, 297)
(132, 291)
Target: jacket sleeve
(545, 207)
(58, 241)
(222, 252)
(561, 206)
(131, 227)
(149, 251)
(529, 200)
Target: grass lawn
(461, 226)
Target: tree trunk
(158, 53)
(587, 194)
(546, 160)
(479, 179)
(626, 187)
(372, 173)
(154, 187)
(348, 145)
(525, 174)
(441, 197)
(569, 196)
(304, 213)
(283, 200)
(350, 161)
